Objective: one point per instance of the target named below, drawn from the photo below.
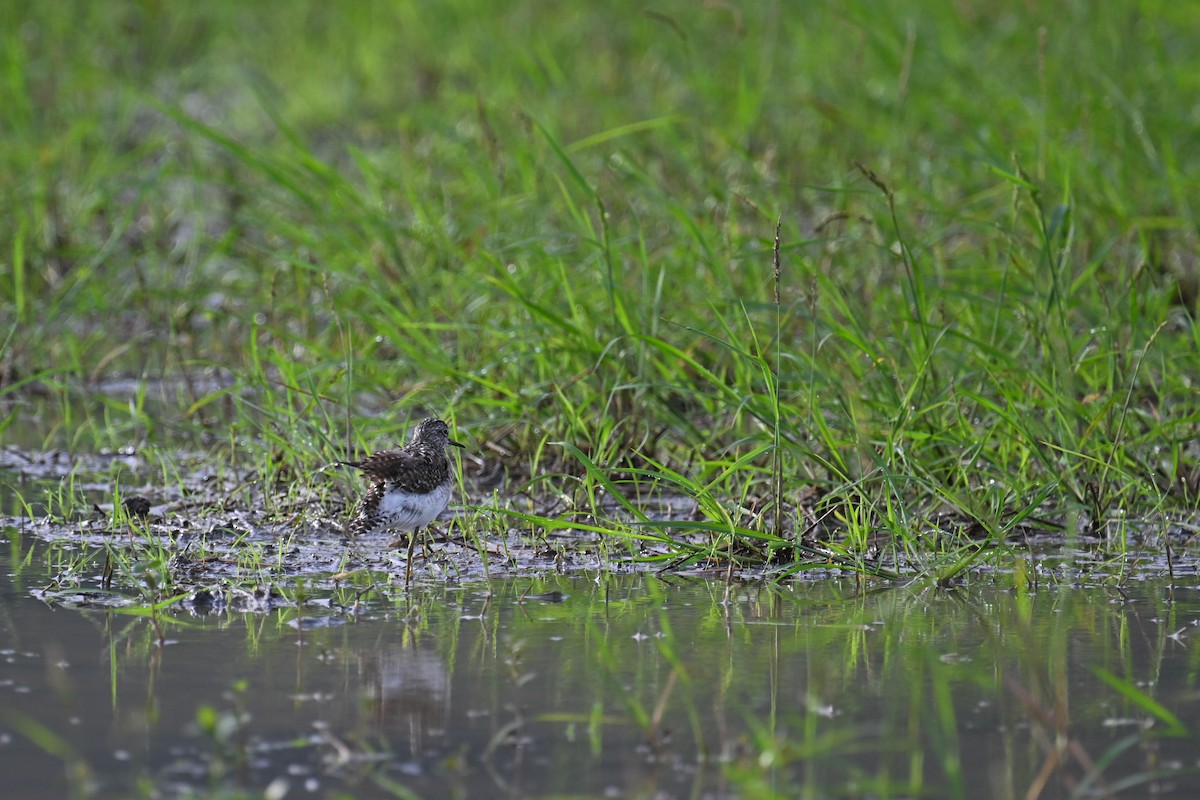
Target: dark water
(627, 686)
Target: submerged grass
(905, 283)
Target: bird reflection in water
(409, 688)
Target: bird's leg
(412, 541)
(425, 543)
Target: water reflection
(408, 692)
(621, 686)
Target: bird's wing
(387, 462)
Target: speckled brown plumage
(409, 486)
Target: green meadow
(919, 278)
(867, 327)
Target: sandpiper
(409, 487)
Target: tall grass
(558, 228)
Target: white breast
(405, 511)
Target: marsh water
(1034, 682)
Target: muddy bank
(213, 538)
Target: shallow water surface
(618, 686)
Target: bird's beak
(456, 444)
